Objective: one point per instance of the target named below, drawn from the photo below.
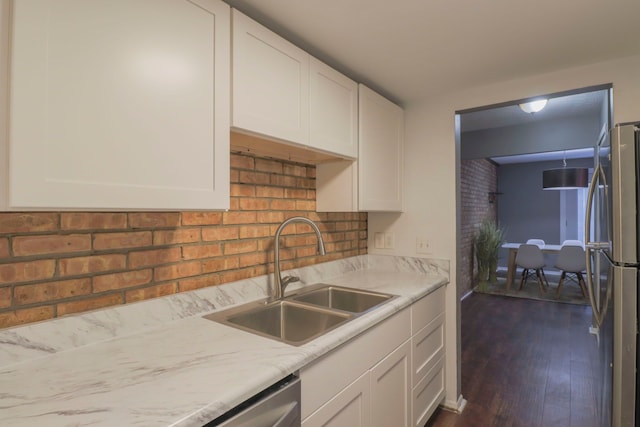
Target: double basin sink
(302, 316)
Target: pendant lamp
(565, 178)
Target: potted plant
(487, 242)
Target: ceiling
(412, 49)
(587, 104)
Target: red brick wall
(477, 179)
(57, 263)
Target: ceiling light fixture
(533, 106)
(565, 178)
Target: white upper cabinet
(282, 93)
(270, 83)
(374, 182)
(333, 111)
(380, 159)
(119, 105)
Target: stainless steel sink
(345, 299)
(286, 321)
(303, 316)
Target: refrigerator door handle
(592, 248)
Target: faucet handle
(289, 279)
(286, 280)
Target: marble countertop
(159, 363)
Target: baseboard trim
(455, 406)
(466, 295)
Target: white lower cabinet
(391, 389)
(427, 394)
(391, 375)
(349, 408)
(427, 356)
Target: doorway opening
(503, 153)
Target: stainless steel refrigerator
(612, 227)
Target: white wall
(431, 163)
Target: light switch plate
(378, 240)
(389, 240)
(422, 246)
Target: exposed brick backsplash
(58, 263)
(477, 179)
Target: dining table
(513, 251)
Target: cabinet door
(333, 110)
(349, 408)
(120, 104)
(270, 83)
(328, 376)
(380, 159)
(391, 389)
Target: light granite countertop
(159, 363)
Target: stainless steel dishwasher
(276, 406)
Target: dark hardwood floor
(525, 363)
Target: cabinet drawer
(428, 394)
(427, 347)
(427, 309)
(328, 376)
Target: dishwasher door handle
(289, 418)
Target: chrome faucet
(282, 282)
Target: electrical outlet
(422, 246)
(378, 240)
(389, 240)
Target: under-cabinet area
(160, 363)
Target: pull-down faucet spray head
(281, 283)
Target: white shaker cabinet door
(349, 408)
(333, 111)
(270, 83)
(391, 389)
(380, 160)
(119, 104)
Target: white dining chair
(538, 242)
(572, 260)
(573, 243)
(530, 257)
